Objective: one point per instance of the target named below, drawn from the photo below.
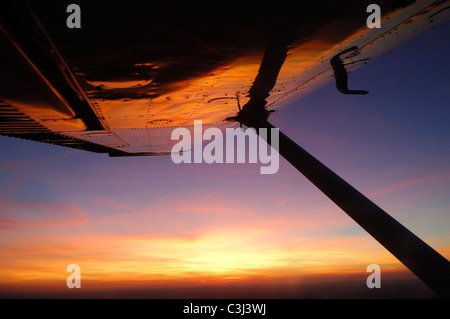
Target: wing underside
(128, 76)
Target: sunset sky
(144, 226)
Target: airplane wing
(133, 72)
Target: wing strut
(427, 264)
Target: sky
(149, 228)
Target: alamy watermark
(374, 19)
(189, 149)
(73, 21)
(74, 279)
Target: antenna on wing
(341, 75)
